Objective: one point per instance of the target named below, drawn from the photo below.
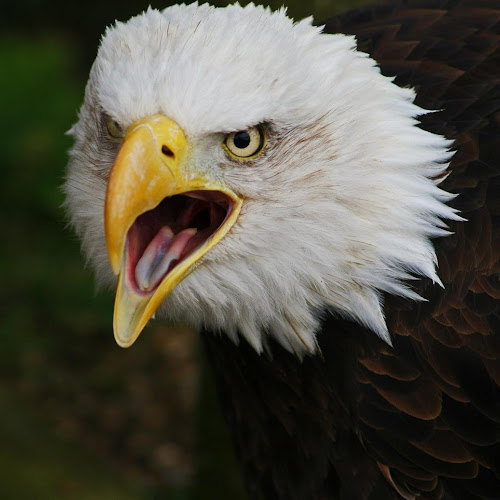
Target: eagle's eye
(245, 144)
(115, 131)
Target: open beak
(160, 219)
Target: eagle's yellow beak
(160, 218)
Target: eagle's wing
(429, 410)
(423, 418)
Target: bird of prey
(323, 203)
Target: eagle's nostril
(167, 151)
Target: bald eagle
(325, 208)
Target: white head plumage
(339, 208)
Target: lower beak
(150, 166)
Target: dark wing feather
(422, 420)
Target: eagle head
(244, 172)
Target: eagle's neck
(303, 444)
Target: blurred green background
(79, 417)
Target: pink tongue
(163, 249)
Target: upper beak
(150, 166)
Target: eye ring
(245, 144)
(115, 130)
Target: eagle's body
(428, 410)
(320, 404)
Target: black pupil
(242, 140)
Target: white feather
(340, 208)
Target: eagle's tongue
(163, 249)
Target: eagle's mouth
(161, 216)
(165, 236)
